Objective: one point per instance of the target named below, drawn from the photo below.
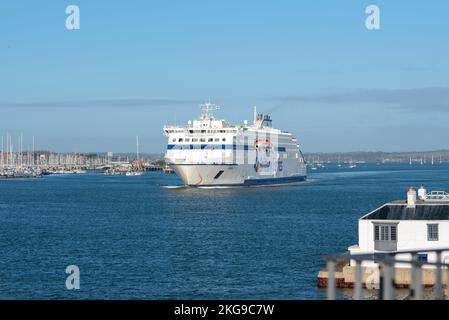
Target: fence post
(416, 279)
(358, 280)
(447, 283)
(330, 280)
(438, 278)
(388, 290)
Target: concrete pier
(345, 277)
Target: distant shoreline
(424, 157)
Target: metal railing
(386, 264)
(437, 196)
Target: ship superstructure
(212, 152)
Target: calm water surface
(139, 238)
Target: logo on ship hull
(265, 157)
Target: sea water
(149, 237)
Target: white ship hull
(231, 175)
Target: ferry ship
(212, 152)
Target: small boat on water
(352, 165)
(67, 171)
(112, 172)
(134, 173)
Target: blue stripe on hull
(257, 182)
(268, 181)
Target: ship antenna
(207, 110)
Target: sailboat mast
(2, 152)
(7, 149)
(137, 145)
(33, 155)
(21, 150)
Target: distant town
(37, 163)
(421, 157)
(15, 162)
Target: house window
(376, 233)
(385, 233)
(180, 139)
(432, 232)
(187, 139)
(422, 257)
(224, 139)
(194, 139)
(385, 236)
(210, 140)
(393, 233)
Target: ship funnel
(255, 115)
(411, 198)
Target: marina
(33, 163)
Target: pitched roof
(399, 211)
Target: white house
(414, 224)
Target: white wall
(411, 235)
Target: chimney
(422, 192)
(411, 198)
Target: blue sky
(137, 65)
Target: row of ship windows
(215, 146)
(199, 139)
(203, 131)
(213, 131)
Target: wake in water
(174, 187)
(242, 186)
(199, 187)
